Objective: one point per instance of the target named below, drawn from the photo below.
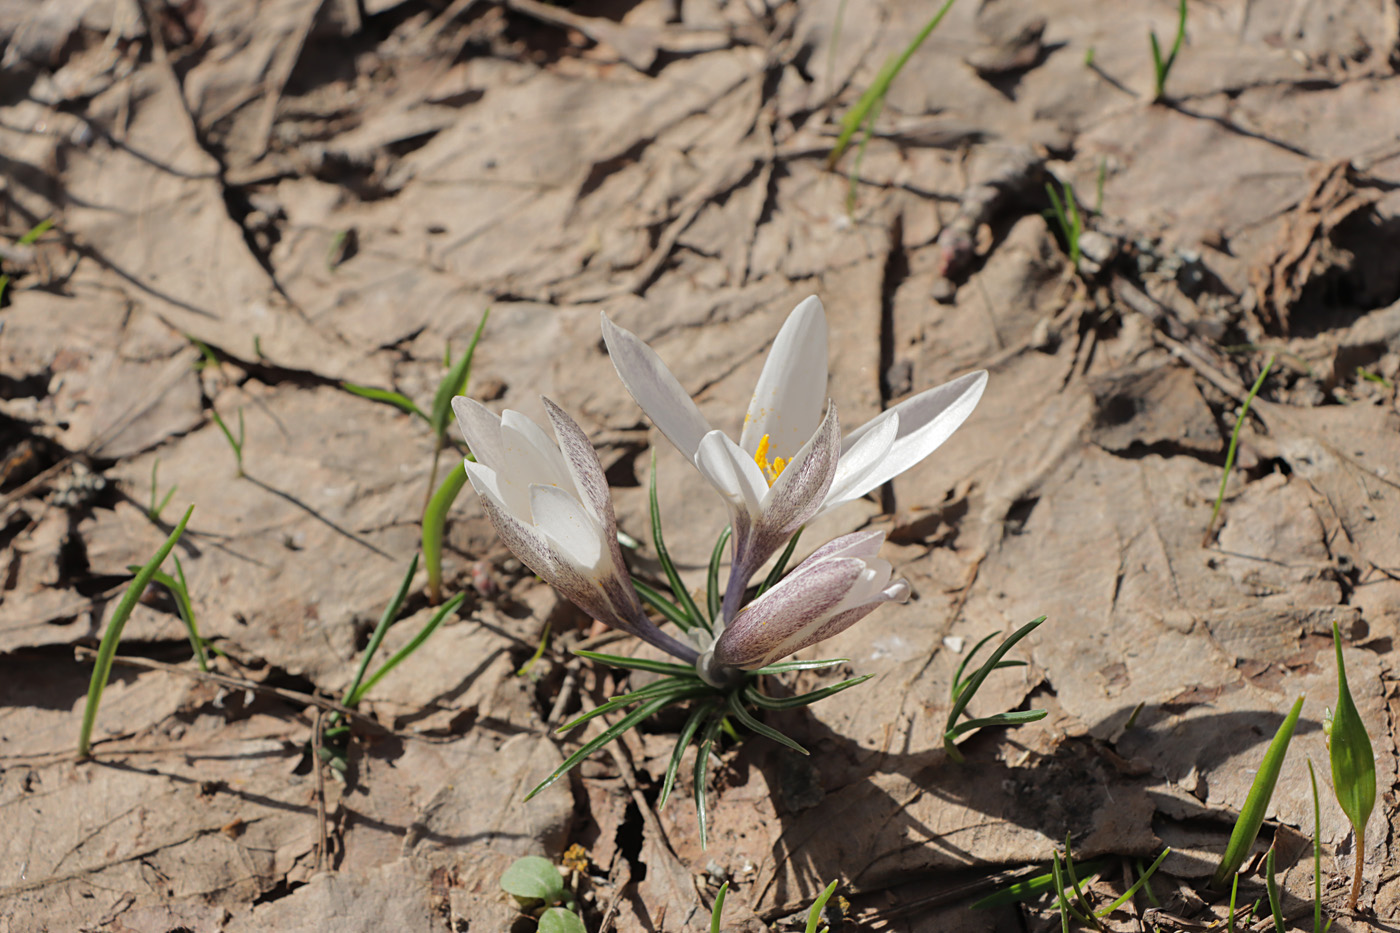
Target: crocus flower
(838, 585)
(781, 430)
(550, 505)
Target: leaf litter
(317, 195)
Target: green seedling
(1162, 67)
(1067, 215)
(963, 690)
(864, 111)
(236, 444)
(1234, 446)
(539, 653)
(208, 359)
(397, 399)
(1377, 378)
(1251, 816)
(1353, 767)
(1317, 855)
(29, 238)
(718, 910)
(335, 736)
(535, 882)
(180, 590)
(155, 508)
(107, 650)
(1271, 885)
(434, 521)
(560, 920)
(814, 916)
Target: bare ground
(328, 190)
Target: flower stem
(1356, 872)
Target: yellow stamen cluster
(771, 470)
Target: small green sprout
(155, 508)
(208, 359)
(454, 383)
(180, 590)
(397, 399)
(1377, 378)
(107, 650)
(717, 911)
(814, 916)
(1162, 67)
(1234, 446)
(560, 920)
(1353, 767)
(1251, 816)
(29, 238)
(535, 882)
(1317, 856)
(963, 691)
(863, 113)
(1067, 215)
(236, 444)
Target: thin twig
(322, 834)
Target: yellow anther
(771, 470)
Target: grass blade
(875, 94)
(974, 683)
(1317, 852)
(612, 732)
(1018, 717)
(736, 709)
(718, 910)
(1257, 803)
(1234, 444)
(637, 664)
(391, 612)
(661, 604)
(178, 589)
(413, 645)
(662, 687)
(1035, 886)
(712, 593)
(702, 761)
(779, 703)
(784, 666)
(776, 573)
(434, 520)
(1271, 885)
(397, 399)
(102, 667)
(814, 916)
(1137, 885)
(454, 383)
(692, 725)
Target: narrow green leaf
(776, 573)
(662, 687)
(1137, 885)
(875, 94)
(958, 674)
(702, 761)
(974, 683)
(182, 606)
(692, 725)
(1013, 718)
(637, 664)
(814, 915)
(718, 910)
(1353, 766)
(682, 595)
(712, 592)
(386, 619)
(434, 521)
(736, 709)
(413, 645)
(1234, 444)
(784, 666)
(662, 605)
(454, 383)
(107, 650)
(1317, 851)
(1256, 805)
(1035, 886)
(804, 699)
(397, 399)
(622, 725)
(1271, 885)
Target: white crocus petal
(573, 532)
(654, 387)
(787, 401)
(549, 502)
(861, 458)
(731, 471)
(925, 422)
